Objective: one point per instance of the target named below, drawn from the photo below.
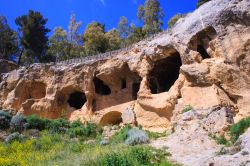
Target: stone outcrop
(203, 62)
(6, 66)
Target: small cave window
(203, 52)
(100, 87)
(135, 90)
(111, 118)
(77, 99)
(94, 105)
(165, 73)
(123, 84)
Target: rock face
(203, 61)
(6, 66)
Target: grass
(239, 128)
(58, 149)
(64, 143)
(187, 108)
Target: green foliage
(239, 128)
(33, 35)
(17, 122)
(172, 21)
(155, 135)
(58, 126)
(5, 118)
(94, 39)
(88, 130)
(115, 159)
(187, 108)
(114, 40)
(151, 15)
(35, 122)
(201, 2)
(122, 135)
(220, 140)
(8, 40)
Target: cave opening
(165, 73)
(100, 87)
(123, 84)
(203, 52)
(111, 118)
(77, 99)
(201, 41)
(135, 89)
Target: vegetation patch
(239, 128)
(187, 108)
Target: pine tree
(33, 35)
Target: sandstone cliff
(203, 61)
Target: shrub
(5, 118)
(116, 159)
(142, 155)
(155, 135)
(137, 136)
(239, 128)
(17, 122)
(59, 126)
(35, 122)
(88, 130)
(187, 108)
(121, 135)
(14, 137)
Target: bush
(187, 108)
(14, 137)
(239, 128)
(116, 159)
(78, 129)
(35, 122)
(5, 118)
(142, 155)
(136, 136)
(59, 126)
(122, 135)
(18, 122)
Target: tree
(33, 35)
(136, 34)
(123, 27)
(113, 38)
(58, 44)
(151, 14)
(201, 2)
(8, 40)
(94, 39)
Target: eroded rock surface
(203, 61)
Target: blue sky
(105, 11)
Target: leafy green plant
(187, 108)
(239, 128)
(59, 126)
(122, 135)
(35, 122)
(155, 135)
(5, 118)
(220, 140)
(115, 159)
(174, 19)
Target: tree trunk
(20, 56)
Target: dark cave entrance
(77, 99)
(123, 84)
(111, 118)
(200, 42)
(203, 52)
(135, 90)
(100, 87)
(165, 73)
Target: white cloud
(103, 2)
